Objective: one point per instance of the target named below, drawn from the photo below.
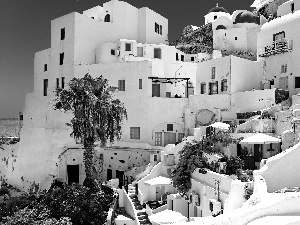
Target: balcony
(277, 47)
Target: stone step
(143, 217)
(140, 213)
(144, 221)
(138, 207)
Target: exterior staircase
(141, 212)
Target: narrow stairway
(141, 212)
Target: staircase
(141, 212)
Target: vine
(191, 157)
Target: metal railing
(277, 47)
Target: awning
(220, 125)
(170, 80)
(167, 217)
(159, 181)
(260, 139)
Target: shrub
(13, 204)
(4, 190)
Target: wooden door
(257, 154)
(160, 191)
(155, 90)
(170, 138)
(120, 176)
(213, 88)
(73, 174)
(109, 174)
(158, 138)
(180, 137)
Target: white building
(127, 46)
(278, 49)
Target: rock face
(195, 41)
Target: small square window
(121, 85)
(235, 38)
(62, 34)
(128, 47)
(140, 84)
(169, 127)
(113, 52)
(283, 68)
(134, 133)
(168, 94)
(215, 17)
(45, 67)
(297, 82)
(157, 53)
(192, 59)
(61, 58)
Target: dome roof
(245, 17)
(218, 9)
(220, 27)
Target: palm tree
(96, 116)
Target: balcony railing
(277, 47)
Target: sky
(25, 29)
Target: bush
(4, 190)
(12, 205)
(55, 206)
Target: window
(156, 28)
(140, 51)
(157, 53)
(140, 84)
(20, 116)
(224, 85)
(62, 82)
(169, 127)
(182, 58)
(160, 29)
(177, 57)
(57, 83)
(213, 72)
(45, 87)
(283, 68)
(107, 18)
(225, 34)
(121, 85)
(128, 47)
(134, 133)
(45, 67)
(61, 58)
(292, 7)
(215, 17)
(297, 82)
(235, 38)
(113, 52)
(62, 34)
(278, 36)
(192, 59)
(203, 88)
(168, 94)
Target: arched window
(107, 18)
